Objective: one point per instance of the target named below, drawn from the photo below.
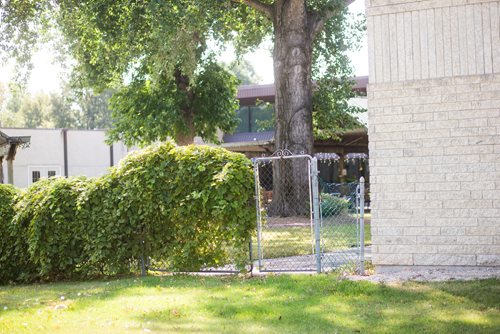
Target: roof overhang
(249, 94)
(9, 145)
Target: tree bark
(294, 130)
(186, 135)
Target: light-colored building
(434, 110)
(61, 152)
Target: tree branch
(318, 20)
(258, 5)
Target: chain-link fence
(159, 265)
(340, 225)
(305, 224)
(285, 214)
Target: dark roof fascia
(248, 94)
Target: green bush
(111, 239)
(191, 207)
(55, 232)
(188, 206)
(209, 205)
(332, 205)
(8, 196)
(15, 261)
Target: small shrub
(332, 205)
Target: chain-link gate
(304, 224)
(342, 225)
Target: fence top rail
(279, 157)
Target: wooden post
(10, 171)
(10, 163)
(1, 170)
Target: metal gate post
(257, 207)
(316, 218)
(362, 226)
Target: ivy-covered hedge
(190, 207)
(8, 196)
(13, 243)
(49, 209)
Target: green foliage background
(190, 207)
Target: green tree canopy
(154, 54)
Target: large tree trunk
(294, 130)
(185, 137)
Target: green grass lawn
(276, 304)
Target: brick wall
(434, 114)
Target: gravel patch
(430, 275)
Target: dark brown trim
(111, 156)
(65, 148)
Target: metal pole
(257, 207)
(317, 232)
(251, 257)
(143, 264)
(362, 226)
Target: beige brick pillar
(434, 130)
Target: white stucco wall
(88, 154)
(434, 110)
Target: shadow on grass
(293, 304)
(301, 304)
(485, 293)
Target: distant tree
(244, 71)
(73, 108)
(3, 92)
(93, 110)
(23, 110)
(35, 111)
(62, 112)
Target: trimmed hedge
(191, 207)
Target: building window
(51, 173)
(35, 176)
(255, 118)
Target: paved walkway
(330, 261)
